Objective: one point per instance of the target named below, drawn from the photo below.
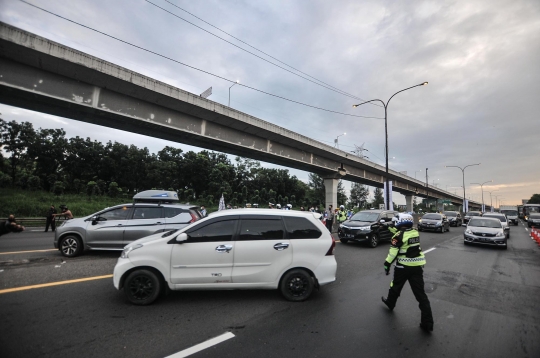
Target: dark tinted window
(261, 229)
(301, 228)
(115, 214)
(479, 222)
(216, 231)
(500, 217)
(432, 217)
(172, 212)
(450, 214)
(147, 213)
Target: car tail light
(193, 217)
(332, 247)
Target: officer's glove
(387, 268)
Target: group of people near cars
(52, 214)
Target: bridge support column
(330, 187)
(409, 202)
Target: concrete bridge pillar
(409, 202)
(330, 187)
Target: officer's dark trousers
(415, 276)
(50, 222)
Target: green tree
(359, 194)
(114, 190)
(341, 196)
(15, 138)
(317, 191)
(535, 199)
(377, 198)
(58, 188)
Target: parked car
(454, 218)
(153, 211)
(469, 215)
(503, 219)
(434, 222)
(232, 249)
(366, 226)
(485, 231)
(533, 220)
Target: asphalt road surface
(486, 303)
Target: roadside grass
(35, 204)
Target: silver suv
(152, 211)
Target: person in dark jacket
(50, 219)
(406, 251)
(10, 225)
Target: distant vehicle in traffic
(533, 220)
(471, 214)
(511, 213)
(366, 226)
(232, 249)
(153, 211)
(485, 231)
(454, 218)
(503, 219)
(434, 222)
(530, 209)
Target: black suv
(366, 226)
(469, 215)
(454, 218)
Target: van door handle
(224, 248)
(281, 246)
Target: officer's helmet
(341, 207)
(278, 206)
(403, 220)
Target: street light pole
(491, 199)
(237, 82)
(336, 144)
(386, 133)
(482, 188)
(463, 172)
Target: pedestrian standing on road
(66, 213)
(405, 248)
(50, 219)
(329, 216)
(10, 225)
(341, 215)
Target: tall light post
(386, 133)
(237, 82)
(482, 188)
(336, 144)
(497, 198)
(491, 199)
(462, 171)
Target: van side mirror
(182, 237)
(382, 221)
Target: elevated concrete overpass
(45, 76)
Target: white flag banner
(466, 206)
(221, 203)
(390, 194)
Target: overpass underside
(44, 76)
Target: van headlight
(500, 234)
(364, 228)
(127, 250)
(438, 223)
(468, 231)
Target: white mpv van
(231, 249)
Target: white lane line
(202, 346)
(433, 248)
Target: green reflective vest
(405, 247)
(342, 216)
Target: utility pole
(427, 193)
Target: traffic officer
(342, 214)
(405, 248)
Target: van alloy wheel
(70, 246)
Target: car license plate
(349, 236)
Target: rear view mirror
(182, 237)
(382, 221)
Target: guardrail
(37, 222)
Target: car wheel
(373, 240)
(142, 287)
(296, 285)
(70, 246)
(344, 241)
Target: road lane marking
(202, 346)
(24, 288)
(433, 248)
(24, 252)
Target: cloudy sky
(480, 57)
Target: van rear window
(301, 228)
